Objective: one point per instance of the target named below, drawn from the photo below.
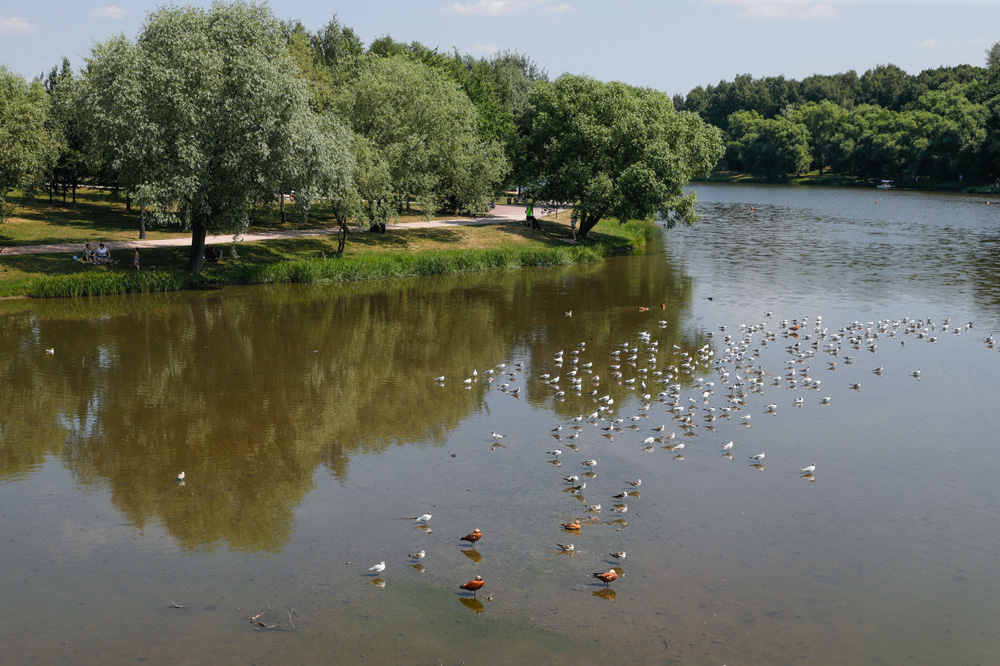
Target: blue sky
(667, 45)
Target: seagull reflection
(419, 568)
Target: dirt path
(501, 214)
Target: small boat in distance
(885, 185)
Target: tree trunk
(197, 258)
(74, 191)
(587, 223)
(142, 222)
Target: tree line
(940, 125)
(211, 115)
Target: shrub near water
(107, 283)
(373, 267)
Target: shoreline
(548, 246)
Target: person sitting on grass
(135, 260)
(103, 255)
(210, 254)
(88, 254)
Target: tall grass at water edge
(342, 269)
(107, 283)
(374, 267)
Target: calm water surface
(311, 431)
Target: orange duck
(575, 525)
(474, 585)
(474, 537)
(608, 576)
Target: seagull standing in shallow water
(809, 469)
(378, 568)
(758, 457)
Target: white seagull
(424, 518)
(758, 457)
(378, 568)
(809, 469)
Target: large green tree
(203, 117)
(770, 148)
(613, 150)
(27, 147)
(420, 128)
(821, 120)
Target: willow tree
(613, 150)
(203, 117)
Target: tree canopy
(422, 131)
(27, 147)
(203, 117)
(613, 150)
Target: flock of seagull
(734, 373)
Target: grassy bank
(402, 253)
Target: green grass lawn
(97, 217)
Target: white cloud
(783, 9)
(928, 44)
(110, 12)
(16, 26)
(505, 7)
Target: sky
(669, 45)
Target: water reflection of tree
(248, 390)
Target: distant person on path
(135, 260)
(529, 217)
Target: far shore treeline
(210, 116)
(941, 125)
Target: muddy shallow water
(311, 431)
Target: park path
(501, 214)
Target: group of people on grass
(102, 255)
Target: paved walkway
(500, 214)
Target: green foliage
(418, 136)
(27, 147)
(938, 125)
(380, 266)
(770, 149)
(104, 283)
(613, 150)
(203, 118)
(821, 120)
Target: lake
(842, 328)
